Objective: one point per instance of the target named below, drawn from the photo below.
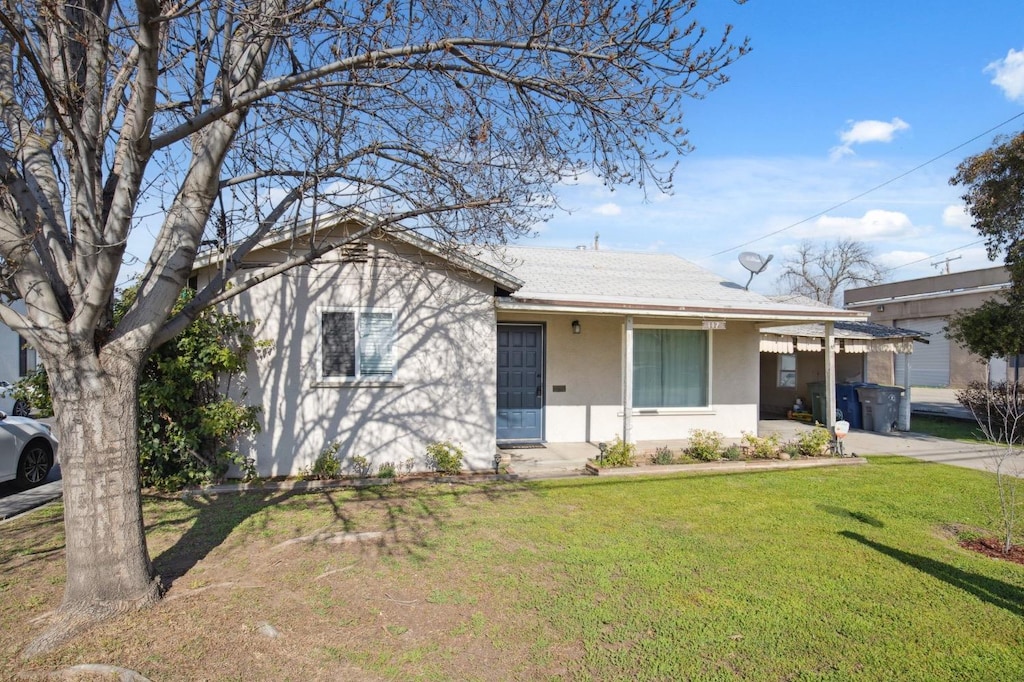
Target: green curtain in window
(670, 368)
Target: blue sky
(836, 98)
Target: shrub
(445, 457)
(733, 453)
(619, 454)
(813, 443)
(387, 470)
(34, 390)
(991, 405)
(662, 455)
(188, 425)
(766, 447)
(705, 445)
(327, 464)
(361, 466)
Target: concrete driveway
(14, 501)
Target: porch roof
(850, 337)
(857, 336)
(657, 284)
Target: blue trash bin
(849, 403)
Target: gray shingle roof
(847, 330)
(575, 276)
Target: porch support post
(830, 374)
(903, 423)
(627, 383)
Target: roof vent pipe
(597, 238)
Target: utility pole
(946, 262)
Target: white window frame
(358, 377)
(779, 370)
(709, 336)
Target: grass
(966, 431)
(825, 574)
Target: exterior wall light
(576, 328)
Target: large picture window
(356, 344)
(670, 368)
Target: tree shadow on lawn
(855, 515)
(409, 516)
(214, 521)
(995, 592)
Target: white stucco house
(393, 342)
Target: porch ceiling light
(576, 328)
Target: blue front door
(520, 382)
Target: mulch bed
(993, 547)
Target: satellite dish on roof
(755, 263)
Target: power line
(935, 255)
(869, 191)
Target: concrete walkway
(569, 459)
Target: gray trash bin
(817, 391)
(880, 407)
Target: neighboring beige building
(924, 305)
(391, 342)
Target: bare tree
(823, 271)
(999, 411)
(221, 121)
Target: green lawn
(945, 427)
(824, 574)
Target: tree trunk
(108, 568)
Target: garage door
(929, 364)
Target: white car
(8, 404)
(27, 450)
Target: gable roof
(641, 283)
(342, 223)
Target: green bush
(34, 390)
(187, 427)
(705, 445)
(445, 457)
(813, 443)
(762, 448)
(619, 454)
(387, 470)
(733, 453)
(361, 466)
(662, 455)
(327, 464)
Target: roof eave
(696, 312)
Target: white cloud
(862, 132)
(1009, 75)
(898, 258)
(584, 179)
(873, 225)
(956, 216)
(608, 209)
